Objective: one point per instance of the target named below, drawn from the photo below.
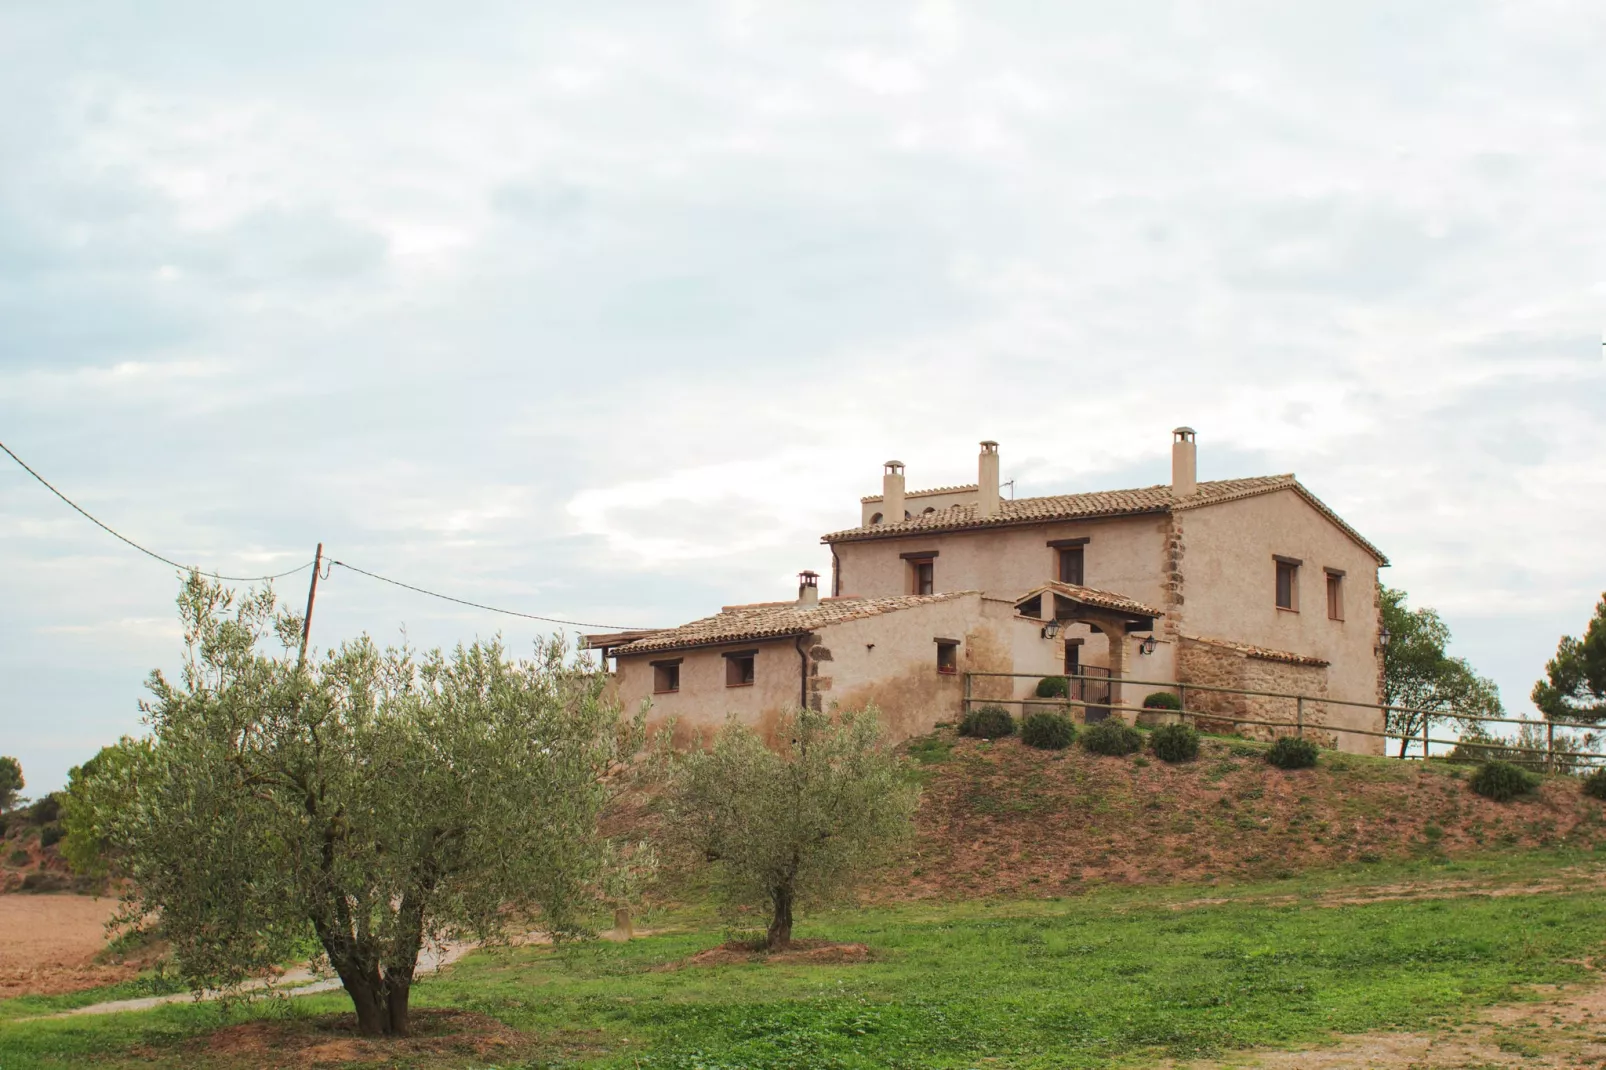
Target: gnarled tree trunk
(780, 931)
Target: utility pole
(312, 594)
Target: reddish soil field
(48, 944)
(1001, 818)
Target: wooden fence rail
(1549, 751)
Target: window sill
(748, 684)
(1286, 609)
(1336, 620)
(947, 672)
(671, 691)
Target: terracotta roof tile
(1260, 652)
(1102, 503)
(1091, 596)
(767, 620)
(868, 498)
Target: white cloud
(622, 310)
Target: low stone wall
(1222, 665)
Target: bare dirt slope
(48, 944)
(1003, 819)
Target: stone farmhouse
(1251, 584)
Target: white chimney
(987, 479)
(892, 493)
(1184, 463)
(808, 589)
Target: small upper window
(923, 574)
(1335, 594)
(739, 669)
(1071, 565)
(665, 676)
(1288, 583)
(928, 510)
(947, 656)
(875, 518)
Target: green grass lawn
(1113, 976)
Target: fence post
(1182, 700)
(1299, 716)
(1426, 720)
(1550, 745)
(965, 707)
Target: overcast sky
(608, 311)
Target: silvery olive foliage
(796, 822)
(378, 800)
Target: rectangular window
(1071, 565)
(923, 575)
(739, 668)
(1335, 594)
(948, 656)
(665, 676)
(1288, 583)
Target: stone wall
(1218, 664)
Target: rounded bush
(51, 835)
(1162, 700)
(1053, 687)
(1113, 737)
(1291, 752)
(1595, 784)
(1502, 781)
(1174, 743)
(1048, 731)
(987, 722)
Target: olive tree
(97, 792)
(377, 800)
(797, 823)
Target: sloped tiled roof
(1260, 652)
(1091, 596)
(868, 498)
(1093, 504)
(769, 620)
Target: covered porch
(1113, 615)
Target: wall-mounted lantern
(1051, 630)
(1147, 646)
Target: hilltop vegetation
(998, 818)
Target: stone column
(1115, 631)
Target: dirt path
(1567, 880)
(1566, 1031)
(48, 943)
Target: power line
(125, 539)
(302, 568)
(477, 605)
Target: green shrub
(987, 722)
(1174, 743)
(1053, 687)
(1162, 700)
(1595, 784)
(51, 835)
(1291, 752)
(1113, 737)
(19, 857)
(1502, 781)
(1048, 731)
(44, 811)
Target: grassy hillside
(1001, 818)
(1121, 976)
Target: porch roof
(1107, 603)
